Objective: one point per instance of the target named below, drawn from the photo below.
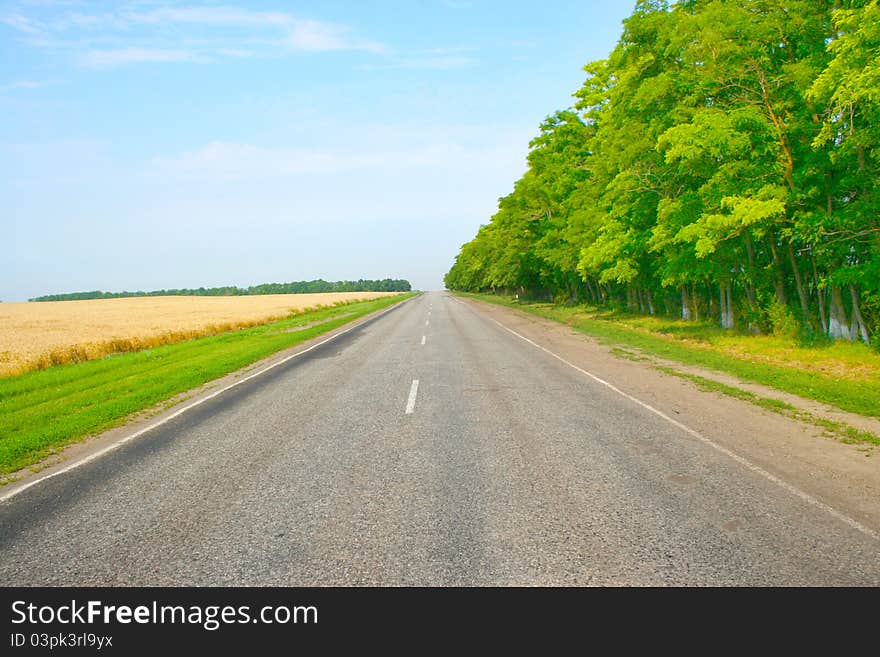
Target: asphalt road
(509, 468)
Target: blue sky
(155, 144)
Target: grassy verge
(41, 412)
(838, 430)
(843, 375)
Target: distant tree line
(295, 287)
(723, 162)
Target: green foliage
(725, 157)
(782, 321)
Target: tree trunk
(838, 327)
(750, 277)
(591, 293)
(750, 294)
(802, 295)
(729, 305)
(711, 308)
(750, 251)
(858, 323)
(726, 306)
(685, 310)
(778, 279)
(822, 318)
(820, 294)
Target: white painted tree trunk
(729, 305)
(858, 323)
(726, 306)
(838, 327)
(685, 309)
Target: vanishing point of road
(427, 446)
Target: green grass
(716, 386)
(41, 412)
(843, 375)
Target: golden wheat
(38, 335)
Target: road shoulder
(846, 477)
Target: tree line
(723, 162)
(295, 287)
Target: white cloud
(121, 56)
(442, 58)
(314, 35)
(23, 84)
(127, 36)
(221, 161)
(318, 36)
(435, 63)
(213, 16)
(235, 52)
(22, 24)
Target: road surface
(428, 447)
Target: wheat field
(38, 335)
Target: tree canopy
(723, 161)
(295, 287)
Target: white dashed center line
(411, 402)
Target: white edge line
(855, 524)
(181, 411)
(413, 391)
